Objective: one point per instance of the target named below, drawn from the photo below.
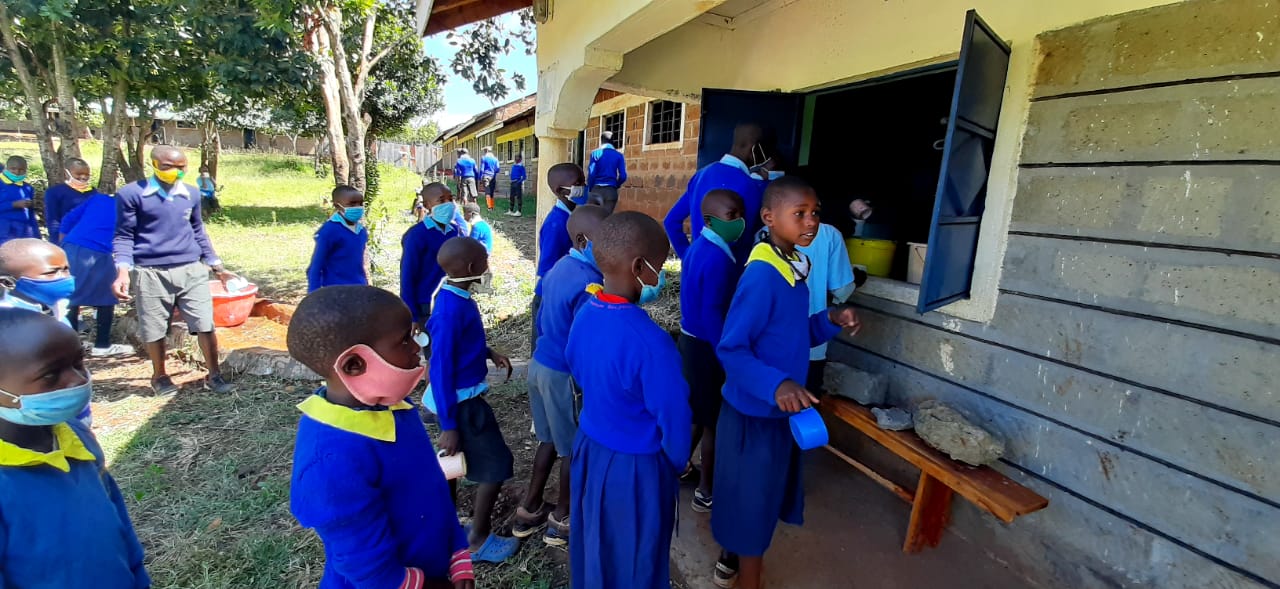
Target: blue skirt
(622, 513)
(757, 481)
(94, 272)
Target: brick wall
(656, 177)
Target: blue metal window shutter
(966, 163)
(777, 113)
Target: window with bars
(665, 120)
(617, 124)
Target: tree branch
(366, 45)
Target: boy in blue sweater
(63, 521)
(456, 392)
(17, 220)
(633, 436)
(489, 169)
(480, 229)
(731, 172)
(765, 352)
(710, 274)
(518, 176)
(551, 391)
(568, 183)
(365, 476)
(62, 198)
(420, 273)
(339, 256)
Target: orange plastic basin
(231, 309)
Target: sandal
(557, 532)
(163, 385)
(495, 549)
(527, 524)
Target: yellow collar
(370, 423)
(69, 446)
(763, 252)
(6, 180)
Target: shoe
(111, 350)
(726, 573)
(218, 385)
(690, 476)
(163, 385)
(527, 524)
(517, 214)
(701, 503)
(557, 533)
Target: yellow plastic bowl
(876, 255)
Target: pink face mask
(382, 383)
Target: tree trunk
(319, 44)
(69, 127)
(210, 146)
(332, 22)
(52, 163)
(135, 140)
(112, 130)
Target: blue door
(966, 163)
(778, 113)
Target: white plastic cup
(454, 467)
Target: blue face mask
(46, 292)
(578, 195)
(353, 214)
(14, 177)
(649, 292)
(590, 253)
(443, 213)
(49, 408)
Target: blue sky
(460, 102)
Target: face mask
(649, 292)
(589, 253)
(352, 214)
(729, 231)
(49, 408)
(578, 195)
(800, 263)
(758, 157)
(484, 286)
(170, 176)
(75, 184)
(14, 177)
(443, 213)
(46, 292)
(381, 384)
(422, 339)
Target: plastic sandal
(495, 549)
(527, 524)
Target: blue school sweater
(729, 173)
(63, 522)
(553, 238)
(420, 273)
(339, 255)
(368, 482)
(489, 166)
(707, 281)
(563, 296)
(92, 224)
(465, 168)
(58, 201)
(607, 168)
(483, 233)
(16, 223)
(458, 353)
(160, 228)
(635, 399)
(518, 174)
(768, 333)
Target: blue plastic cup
(808, 429)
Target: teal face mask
(49, 408)
(443, 213)
(14, 177)
(650, 292)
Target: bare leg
(543, 461)
(155, 351)
(707, 481)
(209, 346)
(751, 575)
(562, 505)
(486, 496)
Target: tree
(420, 134)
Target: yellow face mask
(169, 176)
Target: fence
(416, 157)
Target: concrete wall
(655, 177)
(1131, 360)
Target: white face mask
(484, 286)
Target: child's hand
(846, 318)
(449, 442)
(501, 362)
(793, 398)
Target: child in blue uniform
(456, 392)
(339, 256)
(633, 436)
(17, 219)
(516, 197)
(480, 229)
(365, 476)
(420, 273)
(568, 183)
(63, 198)
(86, 234)
(765, 352)
(63, 522)
(710, 275)
(551, 390)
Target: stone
(864, 387)
(948, 431)
(893, 419)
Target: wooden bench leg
(929, 514)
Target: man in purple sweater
(162, 251)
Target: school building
(508, 129)
(1099, 185)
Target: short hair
(16, 252)
(74, 162)
(463, 151)
(332, 319)
(488, 149)
(607, 137)
(471, 208)
(519, 157)
(586, 219)
(15, 159)
(562, 169)
(12, 319)
(780, 188)
(625, 236)
(718, 195)
(165, 149)
(456, 253)
(342, 190)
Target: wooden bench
(940, 478)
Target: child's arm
(315, 270)
(674, 223)
(409, 274)
(70, 220)
(140, 578)
(666, 397)
(748, 313)
(444, 389)
(622, 170)
(53, 211)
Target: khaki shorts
(156, 291)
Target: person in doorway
(420, 273)
(633, 435)
(464, 171)
(456, 389)
(58, 494)
(163, 257)
(765, 350)
(86, 234)
(340, 255)
(17, 219)
(365, 476)
(733, 172)
(61, 199)
(518, 176)
(832, 280)
(552, 395)
(568, 183)
(606, 172)
(489, 170)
